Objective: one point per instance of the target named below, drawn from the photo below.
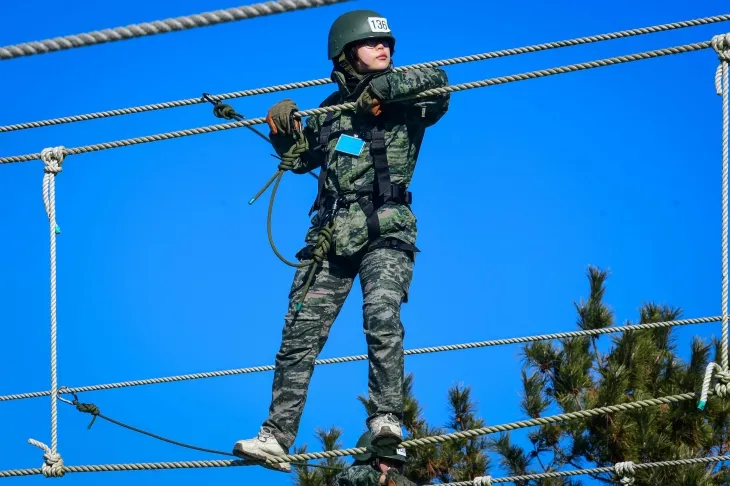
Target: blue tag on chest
(349, 145)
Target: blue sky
(164, 269)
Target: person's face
(372, 55)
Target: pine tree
(573, 375)
(312, 476)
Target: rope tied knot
(53, 159)
(625, 470)
(482, 481)
(223, 110)
(324, 243)
(721, 45)
(53, 465)
(87, 408)
(722, 386)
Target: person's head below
(364, 39)
(380, 458)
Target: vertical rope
(53, 159)
(721, 45)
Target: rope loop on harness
(53, 466)
(482, 481)
(625, 471)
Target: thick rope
(359, 450)
(147, 29)
(324, 81)
(479, 481)
(350, 106)
(581, 472)
(53, 160)
(721, 45)
(364, 357)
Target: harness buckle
(338, 202)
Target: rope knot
(482, 481)
(625, 470)
(87, 408)
(323, 245)
(53, 466)
(721, 45)
(722, 387)
(222, 110)
(53, 159)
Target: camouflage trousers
(385, 277)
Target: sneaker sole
(281, 467)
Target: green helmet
(394, 453)
(354, 26)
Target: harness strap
(323, 144)
(370, 197)
(380, 160)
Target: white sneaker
(385, 430)
(263, 447)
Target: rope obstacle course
(53, 159)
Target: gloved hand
(280, 120)
(370, 100)
(289, 150)
(367, 104)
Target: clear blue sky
(164, 269)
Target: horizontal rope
(364, 357)
(597, 470)
(349, 106)
(324, 81)
(146, 29)
(359, 450)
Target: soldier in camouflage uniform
(378, 466)
(366, 157)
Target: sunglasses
(373, 43)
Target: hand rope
(323, 81)
(349, 106)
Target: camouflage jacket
(404, 123)
(367, 476)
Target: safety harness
(369, 197)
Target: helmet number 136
(378, 24)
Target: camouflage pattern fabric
(367, 476)
(385, 277)
(405, 124)
(358, 476)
